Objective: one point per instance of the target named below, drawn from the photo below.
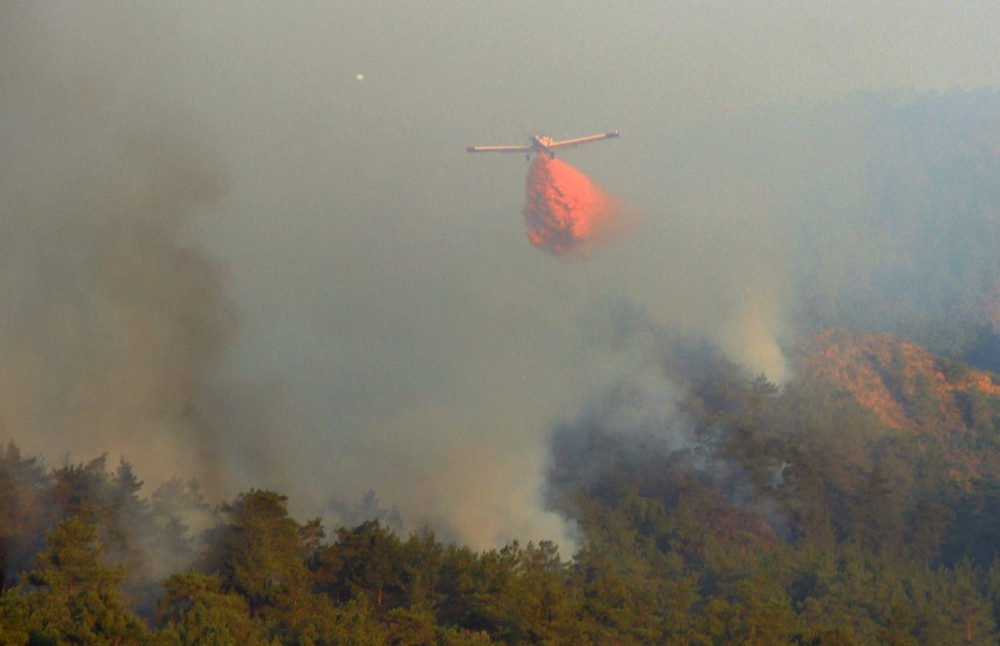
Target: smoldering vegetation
(650, 394)
(886, 205)
(148, 535)
(662, 426)
(872, 212)
(683, 479)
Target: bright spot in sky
(360, 77)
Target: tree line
(791, 516)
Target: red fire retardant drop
(565, 209)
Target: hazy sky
(382, 292)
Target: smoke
(115, 322)
(633, 419)
(752, 335)
(197, 201)
(566, 211)
(646, 426)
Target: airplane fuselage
(542, 143)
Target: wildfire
(565, 209)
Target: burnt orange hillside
(914, 391)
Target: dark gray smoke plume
(114, 322)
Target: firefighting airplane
(541, 143)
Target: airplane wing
(499, 149)
(573, 143)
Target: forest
(789, 516)
(857, 503)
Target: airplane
(541, 143)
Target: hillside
(940, 402)
(911, 248)
(908, 387)
(858, 504)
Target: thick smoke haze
(243, 242)
(115, 322)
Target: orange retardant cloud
(565, 209)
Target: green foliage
(197, 609)
(24, 512)
(789, 516)
(259, 552)
(71, 595)
(369, 564)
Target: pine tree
(72, 596)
